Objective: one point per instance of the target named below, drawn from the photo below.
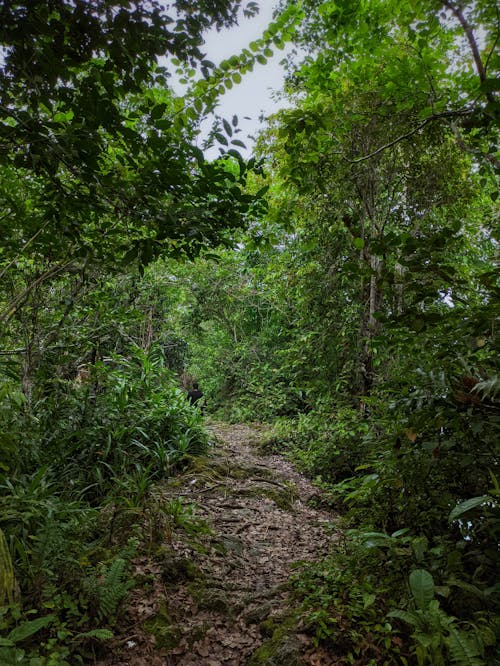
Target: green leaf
(359, 243)
(100, 634)
(198, 153)
(178, 103)
(422, 587)
(468, 505)
(368, 600)
(29, 628)
(163, 124)
(227, 127)
(262, 191)
(235, 153)
(158, 111)
(408, 617)
(221, 138)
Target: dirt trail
(213, 600)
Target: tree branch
(13, 306)
(456, 10)
(28, 242)
(407, 135)
(476, 153)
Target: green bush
(327, 444)
(71, 526)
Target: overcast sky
(253, 96)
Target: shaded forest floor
(216, 593)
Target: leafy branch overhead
(439, 56)
(91, 134)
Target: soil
(215, 590)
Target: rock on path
(212, 600)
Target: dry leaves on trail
(230, 584)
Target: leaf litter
(212, 599)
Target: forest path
(212, 600)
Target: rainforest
(326, 296)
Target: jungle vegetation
(340, 282)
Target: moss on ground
(167, 634)
(177, 569)
(198, 633)
(211, 598)
(282, 649)
(283, 497)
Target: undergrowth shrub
(77, 501)
(128, 416)
(414, 476)
(361, 603)
(326, 444)
(344, 600)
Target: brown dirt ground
(212, 599)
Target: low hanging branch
(14, 305)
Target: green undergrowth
(414, 579)
(167, 634)
(80, 498)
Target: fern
(100, 634)
(113, 588)
(489, 388)
(463, 650)
(108, 589)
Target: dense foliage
(354, 308)
(360, 316)
(100, 172)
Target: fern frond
(100, 634)
(464, 650)
(113, 588)
(409, 617)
